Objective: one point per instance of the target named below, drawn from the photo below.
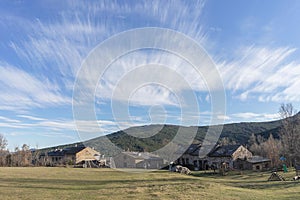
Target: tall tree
(3, 142)
(272, 148)
(289, 133)
(26, 156)
(3, 151)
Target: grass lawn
(72, 183)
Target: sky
(254, 46)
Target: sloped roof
(87, 154)
(58, 152)
(194, 148)
(73, 150)
(224, 151)
(142, 155)
(257, 159)
(66, 151)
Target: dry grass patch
(71, 183)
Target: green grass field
(72, 183)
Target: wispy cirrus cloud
(262, 73)
(161, 75)
(31, 117)
(6, 119)
(56, 48)
(25, 123)
(66, 41)
(21, 90)
(51, 50)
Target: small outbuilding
(255, 163)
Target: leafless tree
(26, 156)
(3, 151)
(3, 143)
(272, 149)
(289, 133)
(21, 157)
(15, 158)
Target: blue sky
(254, 45)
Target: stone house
(192, 160)
(143, 160)
(227, 154)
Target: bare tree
(16, 158)
(26, 156)
(3, 142)
(272, 148)
(21, 157)
(289, 133)
(3, 151)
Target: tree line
(286, 148)
(21, 157)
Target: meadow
(75, 183)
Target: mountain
(238, 132)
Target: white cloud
(31, 117)
(53, 50)
(150, 78)
(21, 90)
(9, 120)
(65, 41)
(223, 117)
(249, 116)
(262, 73)
(42, 126)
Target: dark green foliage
(238, 132)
